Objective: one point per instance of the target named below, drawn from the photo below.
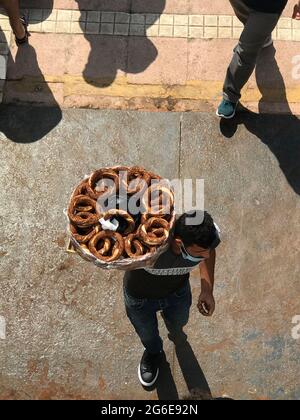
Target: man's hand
(296, 14)
(206, 303)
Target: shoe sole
(225, 116)
(147, 384)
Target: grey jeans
(258, 28)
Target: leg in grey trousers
(258, 28)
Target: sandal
(24, 40)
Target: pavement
(128, 54)
(67, 332)
(67, 335)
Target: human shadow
(40, 4)
(280, 131)
(196, 382)
(125, 51)
(20, 120)
(165, 386)
(26, 123)
(193, 374)
(116, 49)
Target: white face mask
(189, 257)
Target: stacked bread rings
(110, 233)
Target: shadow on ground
(193, 375)
(112, 53)
(26, 123)
(109, 54)
(280, 132)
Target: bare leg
(13, 10)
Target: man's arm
(206, 302)
(296, 14)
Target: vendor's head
(195, 235)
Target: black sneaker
(148, 369)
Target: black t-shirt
(169, 273)
(267, 6)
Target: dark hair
(202, 234)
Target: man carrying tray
(165, 287)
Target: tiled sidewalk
(152, 25)
(206, 7)
(171, 61)
(5, 37)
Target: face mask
(189, 257)
(214, 245)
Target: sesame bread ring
(133, 246)
(138, 180)
(98, 185)
(83, 218)
(133, 180)
(147, 216)
(106, 245)
(81, 189)
(83, 235)
(120, 213)
(151, 233)
(116, 247)
(158, 200)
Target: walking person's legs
(241, 10)
(176, 314)
(257, 31)
(142, 315)
(18, 24)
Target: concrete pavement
(67, 335)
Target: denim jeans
(175, 310)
